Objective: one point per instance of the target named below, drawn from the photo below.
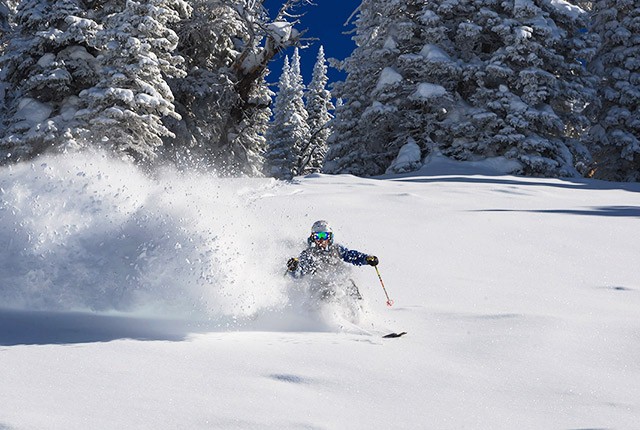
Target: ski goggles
(321, 235)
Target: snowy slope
(137, 302)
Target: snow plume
(87, 232)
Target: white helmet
(320, 226)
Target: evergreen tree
(525, 84)
(48, 60)
(224, 100)
(352, 147)
(124, 110)
(318, 107)
(299, 128)
(471, 79)
(397, 92)
(216, 119)
(281, 156)
(289, 131)
(117, 83)
(615, 139)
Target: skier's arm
(354, 257)
(298, 267)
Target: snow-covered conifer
(289, 131)
(124, 110)
(49, 59)
(318, 108)
(615, 139)
(224, 100)
(281, 157)
(349, 150)
(297, 120)
(524, 87)
(471, 79)
(389, 99)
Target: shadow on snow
(575, 184)
(19, 327)
(566, 183)
(606, 211)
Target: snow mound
(408, 159)
(438, 165)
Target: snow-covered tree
(318, 104)
(471, 79)
(49, 59)
(396, 92)
(528, 96)
(281, 156)
(615, 139)
(124, 110)
(298, 117)
(289, 131)
(133, 90)
(224, 100)
(543, 87)
(353, 145)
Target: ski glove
(372, 260)
(292, 264)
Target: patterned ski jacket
(316, 260)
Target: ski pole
(389, 301)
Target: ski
(393, 335)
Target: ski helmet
(320, 226)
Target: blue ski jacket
(313, 260)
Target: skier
(323, 261)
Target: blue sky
(325, 21)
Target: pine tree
(526, 85)
(470, 79)
(219, 126)
(224, 100)
(299, 128)
(392, 99)
(129, 102)
(615, 139)
(318, 107)
(347, 152)
(124, 110)
(49, 59)
(281, 156)
(289, 131)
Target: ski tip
(392, 335)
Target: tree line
(151, 80)
(551, 86)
